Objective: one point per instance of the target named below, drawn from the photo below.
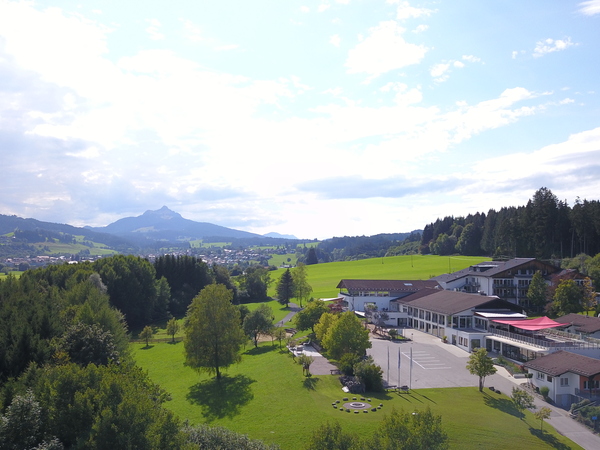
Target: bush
(545, 390)
(370, 374)
(347, 362)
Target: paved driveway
(425, 362)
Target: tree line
(545, 228)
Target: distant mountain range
(144, 230)
(165, 224)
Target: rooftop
(560, 362)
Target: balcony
(547, 340)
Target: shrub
(370, 374)
(347, 362)
(545, 390)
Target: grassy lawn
(324, 277)
(278, 260)
(14, 273)
(266, 397)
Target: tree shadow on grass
(147, 347)
(260, 350)
(549, 439)
(503, 404)
(310, 383)
(221, 398)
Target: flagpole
(388, 367)
(410, 382)
(399, 366)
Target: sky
(312, 118)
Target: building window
(564, 381)
(540, 376)
(595, 384)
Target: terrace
(547, 339)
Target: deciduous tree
(309, 316)
(89, 344)
(213, 334)
(521, 399)
(346, 335)
(146, 334)
(325, 322)
(370, 374)
(542, 414)
(481, 364)
(332, 437)
(172, 328)
(305, 361)
(401, 430)
(567, 298)
(302, 289)
(258, 321)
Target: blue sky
(312, 118)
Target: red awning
(532, 324)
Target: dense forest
(545, 228)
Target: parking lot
(425, 362)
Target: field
(266, 397)
(324, 277)
(14, 273)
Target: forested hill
(360, 247)
(545, 228)
(33, 230)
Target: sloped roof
(560, 362)
(387, 285)
(493, 268)
(538, 323)
(584, 324)
(452, 302)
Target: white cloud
(405, 11)
(421, 28)
(439, 70)
(471, 58)
(551, 45)
(153, 29)
(194, 33)
(383, 50)
(323, 7)
(590, 7)
(335, 40)
(304, 9)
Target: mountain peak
(163, 213)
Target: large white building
(466, 320)
(508, 280)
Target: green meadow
(325, 277)
(267, 397)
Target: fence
(544, 343)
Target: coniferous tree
(285, 288)
(537, 294)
